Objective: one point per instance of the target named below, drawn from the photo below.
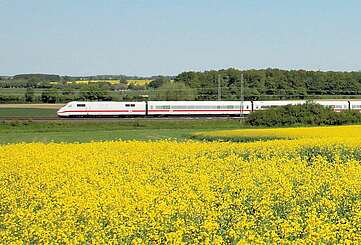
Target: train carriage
(355, 105)
(188, 108)
(102, 109)
(336, 105)
(264, 105)
(198, 107)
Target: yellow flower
(305, 190)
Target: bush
(4, 99)
(307, 114)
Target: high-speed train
(187, 108)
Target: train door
(82, 109)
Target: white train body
(336, 105)
(168, 108)
(102, 108)
(355, 105)
(198, 107)
(264, 105)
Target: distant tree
(258, 84)
(29, 95)
(176, 91)
(11, 99)
(273, 83)
(38, 77)
(134, 86)
(94, 92)
(123, 81)
(49, 96)
(120, 86)
(156, 83)
(67, 91)
(31, 83)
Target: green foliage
(264, 84)
(158, 82)
(307, 114)
(175, 91)
(133, 86)
(29, 95)
(272, 83)
(38, 77)
(49, 96)
(94, 92)
(11, 99)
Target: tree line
(262, 84)
(272, 83)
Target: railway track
(105, 119)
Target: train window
(163, 107)
(80, 105)
(129, 105)
(177, 107)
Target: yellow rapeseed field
(302, 132)
(113, 81)
(140, 82)
(283, 191)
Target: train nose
(60, 113)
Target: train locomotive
(187, 108)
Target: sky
(151, 37)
